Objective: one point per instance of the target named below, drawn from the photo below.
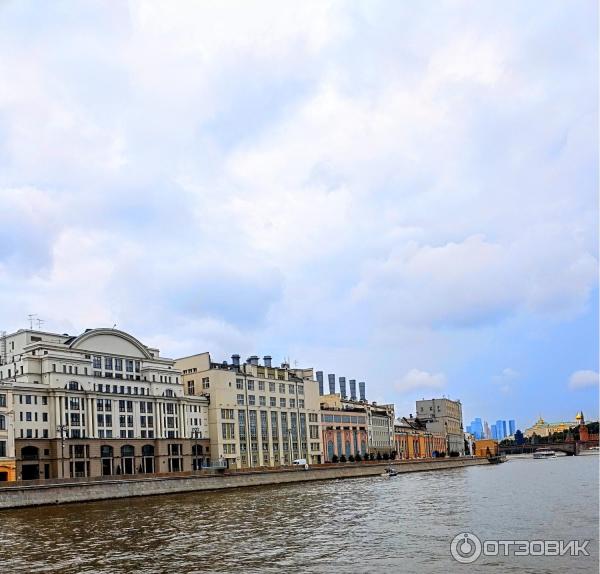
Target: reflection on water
(403, 524)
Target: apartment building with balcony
(97, 403)
(258, 414)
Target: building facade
(259, 415)
(98, 403)
(8, 470)
(444, 416)
(344, 427)
(380, 428)
(413, 440)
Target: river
(401, 524)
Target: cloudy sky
(397, 192)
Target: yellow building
(486, 447)
(542, 428)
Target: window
(2, 422)
(300, 389)
(300, 403)
(281, 388)
(292, 403)
(239, 384)
(240, 399)
(2, 448)
(118, 364)
(262, 401)
(129, 365)
(271, 387)
(228, 430)
(205, 383)
(190, 388)
(251, 400)
(97, 364)
(291, 389)
(108, 363)
(272, 401)
(261, 385)
(250, 385)
(227, 414)
(282, 403)
(2, 400)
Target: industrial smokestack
(343, 388)
(320, 381)
(352, 389)
(361, 390)
(235, 360)
(267, 361)
(331, 378)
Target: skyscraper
(512, 427)
(494, 432)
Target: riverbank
(69, 492)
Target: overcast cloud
(380, 190)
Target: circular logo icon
(465, 548)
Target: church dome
(579, 416)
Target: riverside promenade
(63, 491)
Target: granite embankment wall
(67, 492)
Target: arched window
(147, 450)
(330, 450)
(29, 453)
(106, 454)
(127, 459)
(147, 458)
(73, 386)
(127, 450)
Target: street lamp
(195, 434)
(62, 429)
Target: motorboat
(544, 453)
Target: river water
(402, 524)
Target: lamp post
(62, 429)
(195, 434)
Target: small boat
(389, 472)
(544, 453)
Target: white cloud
(416, 380)
(583, 379)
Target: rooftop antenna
(114, 325)
(40, 322)
(31, 317)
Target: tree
(394, 455)
(519, 439)
(351, 458)
(358, 458)
(386, 456)
(371, 456)
(343, 458)
(378, 456)
(335, 458)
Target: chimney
(361, 390)
(343, 388)
(267, 360)
(235, 360)
(252, 360)
(320, 381)
(352, 389)
(331, 378)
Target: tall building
(8, 469)
(259, 415)
(512, 427)
(97, 403)
(494, 432)
(444, 416)
(476, 428)
(487, 433)
(501, 429)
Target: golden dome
(579, 416)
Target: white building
(97, 403)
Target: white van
(301, 462)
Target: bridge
(570, 448)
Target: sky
(396, 192)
